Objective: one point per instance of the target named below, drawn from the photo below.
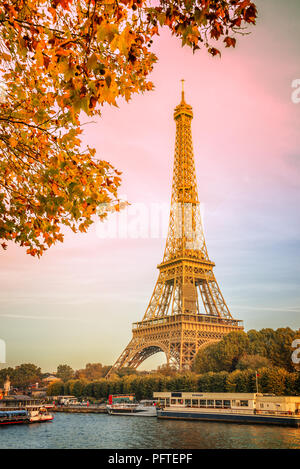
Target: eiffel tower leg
(181, 351)
(123, 359)
(160, 299)
(213, 299)
(135, 353)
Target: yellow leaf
(13, 142)
(5, 56)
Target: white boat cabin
(235, 401)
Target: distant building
(38, 393)
(18, 400)
(50, 379)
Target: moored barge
(122, 404)
(23, 409)
(250, 408)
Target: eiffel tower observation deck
(187, 310)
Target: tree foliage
(256, 349)
(22, 375)
(60, 58)
(64, 372)
(56, 389)
(223, 355)
(252, 362)
(274, 344)
(92, 371)
(273, 380)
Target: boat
(251, 408)
(11, 417)
(121, 408)
(122, 404)
(23, 409)
(40, 415)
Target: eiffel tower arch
(187, 310)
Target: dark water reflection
(104, 431)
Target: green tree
(92, 371)
(223, 355)
(218, 381)
(241, 381)
(254, 362)
(56, 389)
(205, 382)
(275, 345)
(64, 372)
(291, 384)
(26, 374)
(297, 384)
(126, 371)
(241, 350)
(6, 372)
(101, 389)
(77, 387)
(272, 380)
(166, 369)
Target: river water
(126, 432)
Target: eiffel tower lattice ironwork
(174, 322)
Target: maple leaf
(230, 41)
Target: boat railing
(245, 410)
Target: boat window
(180, 401)
(188, 402)
(173, 401)
(210, 403)
(244, 404)
(218, 403)
(195, 403)
(202, 403)
(226, 404)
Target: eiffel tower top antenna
(182, 91)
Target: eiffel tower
(174, 322)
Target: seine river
(125, 432)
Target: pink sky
(77, 303)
